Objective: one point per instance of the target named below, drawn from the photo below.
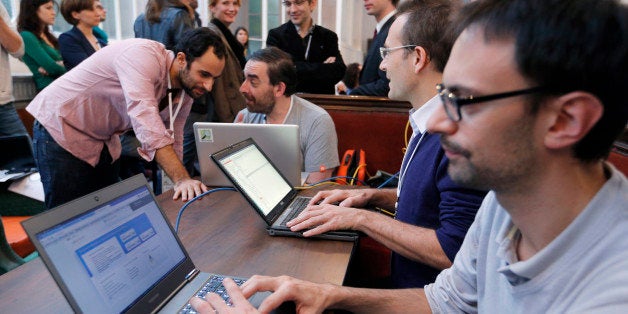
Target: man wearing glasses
(551, 236)
(432, 213)
(314, 49)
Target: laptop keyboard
(213, 284)
(297, 206)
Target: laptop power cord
(176, 226)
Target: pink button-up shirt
(117, 89)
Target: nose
(439, 122)
(208, 84)
(382, 65)
(244, 87)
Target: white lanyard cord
(402, 175)
(176, 112)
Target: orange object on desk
(16, 236)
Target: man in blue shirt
(432, 212)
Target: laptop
(281, 141)
(20, 161)
(266, 189)
(113, 251)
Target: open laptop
(281, 141)
(16, 159)
(113, 251)
(266, 189)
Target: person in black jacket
(314, 49)
(373, 81)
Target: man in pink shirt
(135, 84)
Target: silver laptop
(266, 189)
(280, 141)
(17, 160)
(113, 251)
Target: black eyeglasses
(452, 103)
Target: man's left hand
(323, 218)
(188, 189)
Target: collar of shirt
(309, 31)
(381, 23)
(419, 117)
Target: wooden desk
(221, 233)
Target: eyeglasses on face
(384, 52)
(288, 4)
(453, 103)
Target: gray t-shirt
(317, 134)
(583, 270)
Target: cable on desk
(331, 179)
(176, 225)
(388, 180)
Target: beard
(188, 84)
(264, 105)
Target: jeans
(66, 177)
(10, 123)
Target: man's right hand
(345, 198)
(309, 297)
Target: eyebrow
(252, 76)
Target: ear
(181, 58)
(577, 113)
(419, 59)
(75, 15)
(279, 89)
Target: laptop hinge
(192, 274)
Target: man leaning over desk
(134, 84)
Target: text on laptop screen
(254, 174)
(113, 254)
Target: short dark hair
(69, 6)
(280, 67)
(429, 26)
(195, 42)
(566, 46)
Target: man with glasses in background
(551, 235)
(432, 213)
(314, 49)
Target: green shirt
(37, 53)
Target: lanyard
(404, 169)
(176, 112)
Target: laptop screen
(110, 256)
(257, 177)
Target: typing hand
(309, 297)
(188, 189)
(324, 218)
(215, 304)
(344, 198)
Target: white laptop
(279, 141)
(113, 251)
(268, 192)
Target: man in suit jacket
(314, 49)
(373, 81)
